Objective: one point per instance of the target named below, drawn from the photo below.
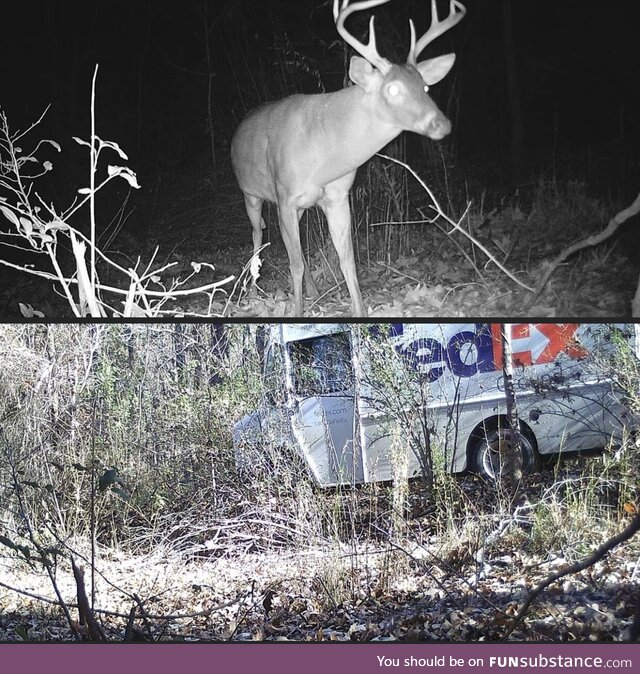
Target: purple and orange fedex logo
(469, 352)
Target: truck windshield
(322, 365)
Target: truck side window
(322, 365)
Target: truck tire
(485, 459)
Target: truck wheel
(486, 454)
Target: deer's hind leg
(254, 211)
(290, 230)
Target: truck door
(323, 416)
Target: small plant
(41, 228)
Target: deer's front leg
(335, 204)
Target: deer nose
(438, 127)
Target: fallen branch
(594, 557)
(588, 241)
(32, 595)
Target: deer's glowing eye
(393, 90)
(426, 89)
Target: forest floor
(406, 269)
(426, 270)
(422, 586)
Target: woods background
(115, 452)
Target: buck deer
(304, 149)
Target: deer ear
(362, 72)
(434, 70)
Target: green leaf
(29, 312)
(52, 143)
(122, 493)
(80, 141)
(23, 549)
(126, 173)
(8, 542)
(107, 479)
(45, 561)
(10, 215)
(52, 551)
(113, 146)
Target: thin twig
(456, 226)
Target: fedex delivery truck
(329, 387)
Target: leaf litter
(410, 587)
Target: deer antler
(436, 28)
(369, 50)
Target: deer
(304, 150)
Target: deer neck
(354, 128)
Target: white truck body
(324, 405)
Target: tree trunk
(513, 92)
(511, 451)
